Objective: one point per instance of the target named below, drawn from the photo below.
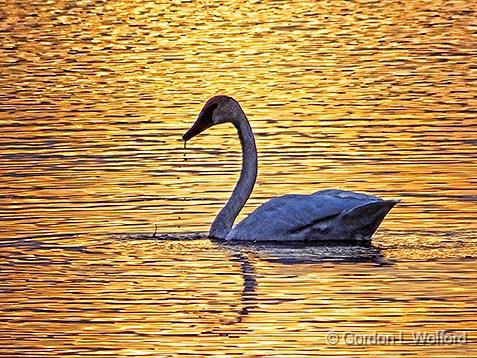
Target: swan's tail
(365, 219)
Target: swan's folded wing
(283, 217)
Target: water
(377, 97)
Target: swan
(326, 215)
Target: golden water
(379, 97)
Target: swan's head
(218, 109)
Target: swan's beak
(203, 122)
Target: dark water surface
(378, 97)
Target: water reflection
(288, 254)
(377, 97)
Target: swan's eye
(207, 112)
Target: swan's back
(325, 215)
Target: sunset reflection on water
(378, 97)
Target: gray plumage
(325, 215)
(332, 215)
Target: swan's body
(325, 215)
(333, 215)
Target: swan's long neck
(226, 217)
